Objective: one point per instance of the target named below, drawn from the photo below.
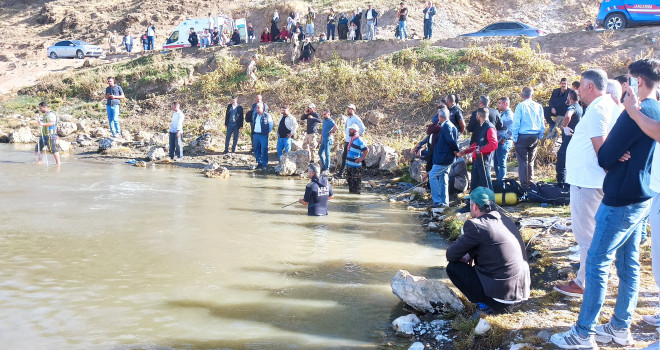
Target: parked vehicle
(179, 36)
(74, 48)
(617, 14)
(507, 29)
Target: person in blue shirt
(328, 128)
(625, 155)
(317, 192)
(429, 12)
(262, 126)
(357, 151)
(527, 129)
(113, 94)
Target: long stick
(290, 204)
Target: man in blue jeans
(429, 12)
(403, 18)
(262, 126)
(504, 139)
(328, 128)
(286, 130)
(444, 143)
(624, 155)
(113, 94)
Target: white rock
(22, 135)
(419, 190)
(482, 327)
(156, 153)
(106, 143)
(373, 158)
(417, 170)
(389, 159)
(160, 139)
(293, 163)
(143, 136)
(422, 294)
(63, 146)
(297, 145)
(434, 226)
(212, 166)
(518, 346)
(66, 128)
(405, 324)
(416, 346)
(81, 126)
(374, 117)
(65, 118)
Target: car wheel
(615, 21)
(80, 54)
(53, 55)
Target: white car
(74, 48)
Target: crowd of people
(127, 41)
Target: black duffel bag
(550, 193)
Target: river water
(106, 256)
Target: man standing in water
(176, 132)
(317, 192)
(48, 136)
(114, 94)
(357, 151)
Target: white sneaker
(571, 340)
(574, 249)
(653, 320)
(574, 257)
(605, 333)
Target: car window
(62, 43)
(511, 26)
(78, 42)
(496, 26)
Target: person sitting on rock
(488, 262)
(265, 36)
(193, 39)
(317, 192)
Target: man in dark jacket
(500, 276)
(192, 38)
(493, 118)
(444, 143)
(317, 192)
(455, 112)
(557, 104)
(342, 27)
(233, 122)
(482, 150)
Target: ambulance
(179, 36)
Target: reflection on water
(101, 256)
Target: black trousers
(560, 166)
(232, 130)
(465, 278)
(354, 179)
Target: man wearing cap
(311, 141)
(317, 192)
(488, 262)
(352, 119)
(357, 151)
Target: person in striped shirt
(357, 151)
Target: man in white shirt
(372, 20)
(582, 170)
(176, 132)
(151, 35)
(211, 22)
(353, 119)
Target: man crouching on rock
(317, 192)
(500, 275)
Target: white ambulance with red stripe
(179, 37)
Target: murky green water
(107, 256)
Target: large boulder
(389, 159)
(160, 139)
(293, 163)
(65, 129)
(296, 145)
(63, 146)
(22, 135)
(373, 158)
(106, 143)
(418, 170)
(156, 153)
(424, 295)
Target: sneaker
(572, 340)
(574, 257)
(605, 333)
(653, 320)
(570, 289)
(574, 249)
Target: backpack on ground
(550, 193)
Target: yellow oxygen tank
(508, 198)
